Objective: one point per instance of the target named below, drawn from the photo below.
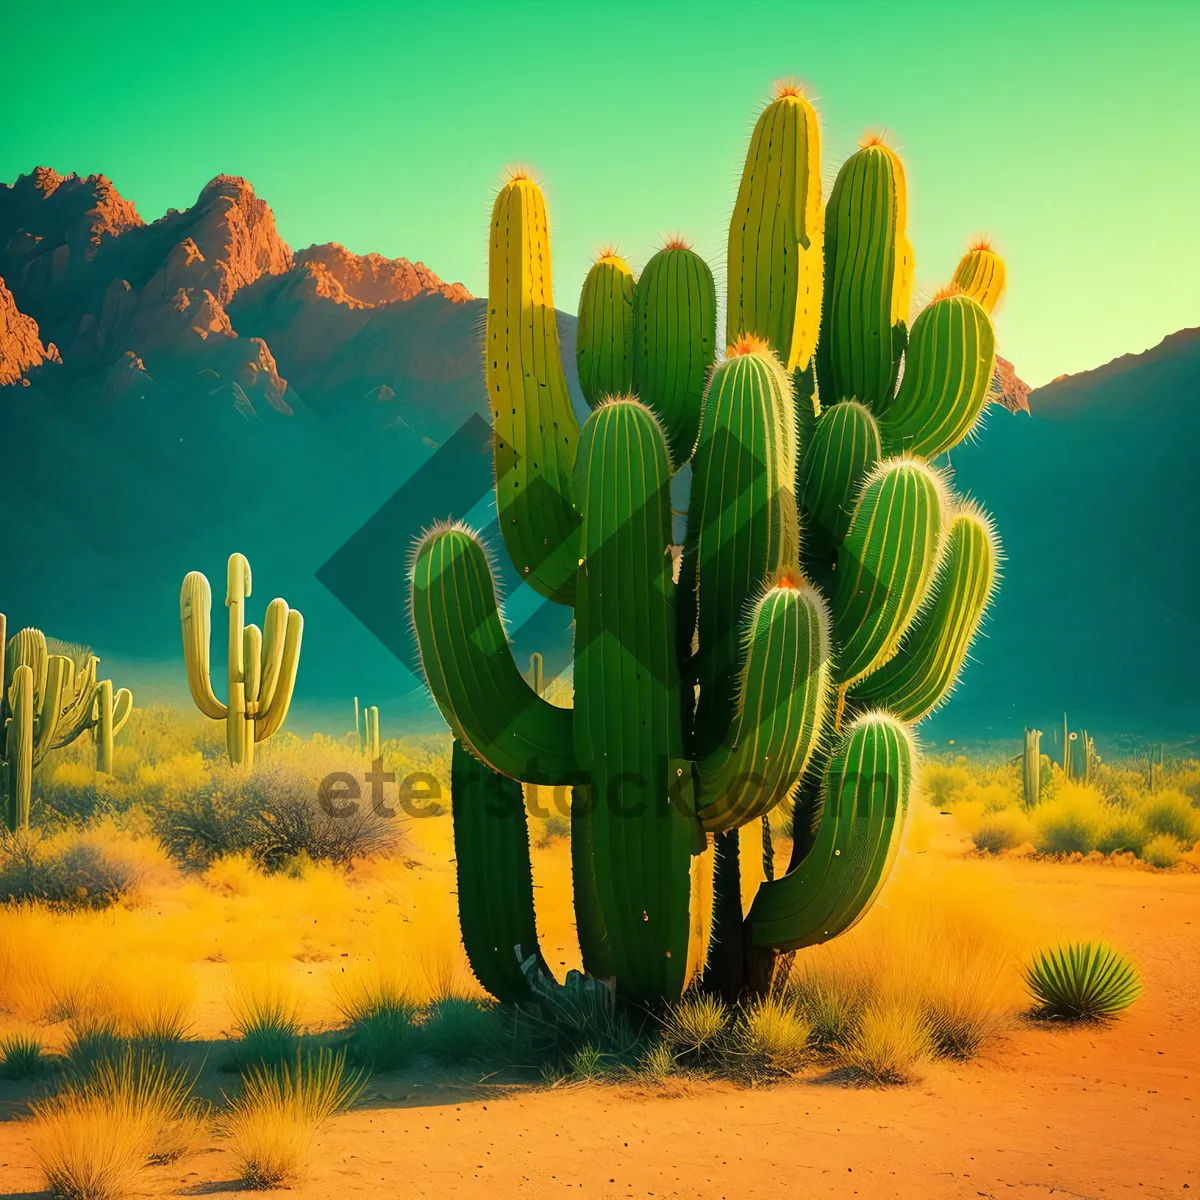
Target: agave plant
(1083, 981)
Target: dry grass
(265, 1006)
(96, 1134)
(772, 1037)
(273, 1120)
(890, 1040)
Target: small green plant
(656, 1067)
(587, 1064)
(1082, 981)
(22, 1057)
(92, 1044)
(696, 1026)
(1161, 851)
(832, 1004)
(266, 1027)
(458, 1030)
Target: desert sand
(1089, 1112)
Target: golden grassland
(201, 940)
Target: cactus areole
(824, 597)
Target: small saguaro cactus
(261, 663)
(824, 599)
(1031, 767)
(48, 701)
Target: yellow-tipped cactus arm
(195, 615)
(27, 647)
(271, 718)
(274, 632)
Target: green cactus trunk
(628, 732)
(604, 339)
(495, 880)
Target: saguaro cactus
(47, 702)
(825, 596)
(261, 663)
(1031, 767)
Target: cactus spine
(46, 703)
(262, 663)
(828, 587)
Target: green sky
(1068, 131)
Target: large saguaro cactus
(49, 700)
(825, 596)
(261, 663)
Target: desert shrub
(1185, 777)
(1122, 831)
(91, 1043)
(80, 872)
(276, 813)
(271, 1122)
(1070, 823)
(552, 829)
(1171, 812)
(941, 780)
(1162, 850)
(1120, 787)
(22, 1057)
(695, 1027)
(656, 1067)
(772, 1036)
(1082, 981)
(889, 1041)
(1002, 829)
(71, 794)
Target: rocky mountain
(184, 388)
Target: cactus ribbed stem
(604, 339)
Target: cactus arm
(885, 564)
(535, 433)
(195, 615)
(495, 880)
(777, 232)
(237, 733)
(122, 708)
(252, 645)
(922, 674)
(78, 704)
(864, 792)
(1031, 767)
(60, 672)
(469, 666)
(595, 945)
(628, 727)
(604, 341)
(104, 726)
(841, 453)
(28, 647)
(980, 274)
(269, 720)
(948, 369)
(18, 746)
(782, 706)
(274, 635)
(743, 525)
(868, 279)
(675, 330)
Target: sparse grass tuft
(695, 1027)
(772, 1036)
(889, 1042)
(459, 1030)
(94, 1135)
(22, 1057)
(831, 1003)
(266, 1021)
(271, 1122)
(381, 1016)
(1082, 981)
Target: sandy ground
(1073, 1112)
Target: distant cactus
(261, 663)
(825, 596)
(1031, 767)
(48, 702)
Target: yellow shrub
(1002, 829)
(1171, 812)
(1073, 822)
(1162, 850)
(940, 780)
